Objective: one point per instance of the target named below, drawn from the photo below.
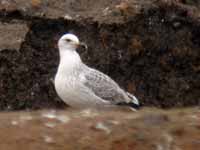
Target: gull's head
(68, 42)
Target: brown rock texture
(151, 48)
(13, 35)
(148, 129)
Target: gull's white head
(68, 42)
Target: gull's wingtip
(133, 103)
(134, 99)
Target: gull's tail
(133, 104)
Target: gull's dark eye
(68, 40)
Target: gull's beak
(81, 44)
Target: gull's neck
(69, 61)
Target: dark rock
(137, 43)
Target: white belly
(68, 91)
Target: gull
(80, 86)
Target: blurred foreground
(148, 129)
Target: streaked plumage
(81, 86)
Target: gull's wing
(103, 86)
(87, 97)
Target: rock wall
(151, 48)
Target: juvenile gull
(81, 86)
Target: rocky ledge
(148, 129)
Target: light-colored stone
(12, 35)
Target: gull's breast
(65, 87)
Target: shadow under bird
(80, 86)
